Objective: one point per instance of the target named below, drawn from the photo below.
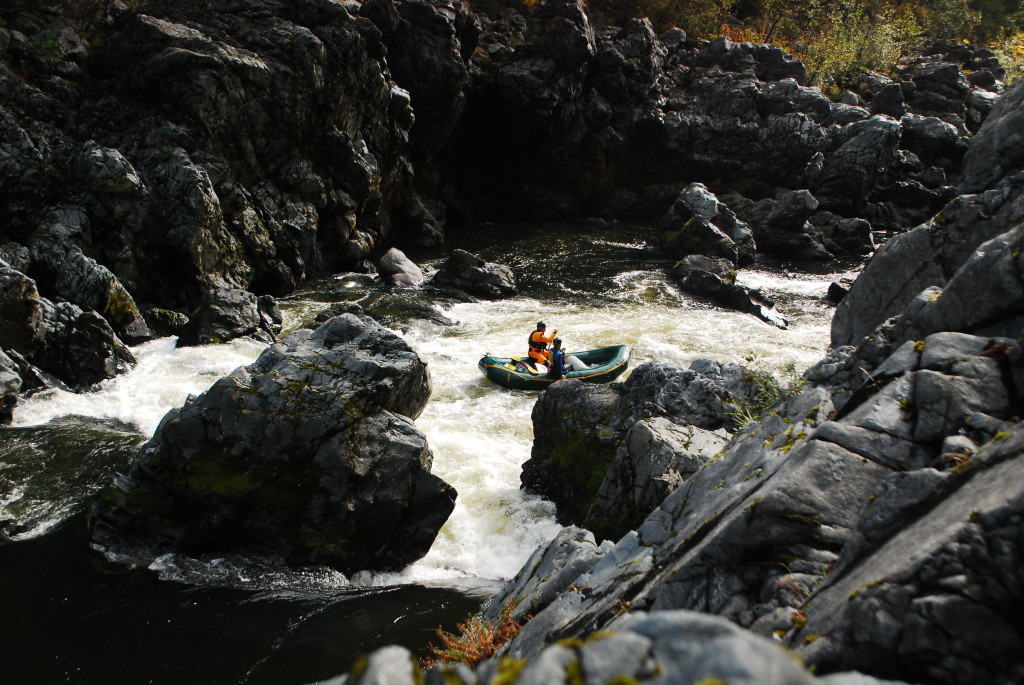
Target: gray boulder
(653, 458)
(470, 276)
(785, 229)
(78, 347)
(21, 318)
(934, 141)
(398, 270)
(309, 453)
(852, 171)
(226, 314)
(844, 236)
(606, 455)
(697, 236)
(63, 269)
(10, 386)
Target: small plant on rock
(474, 640)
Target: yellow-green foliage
(835, 38)
(1010, 50)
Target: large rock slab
(607, 455)
(309, 453)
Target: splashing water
(64, 447)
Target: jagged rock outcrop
(212, 148)
(992, 201)
(468, 276)
(589, 439)
(80, 348)
(698, 223)
(309, 453)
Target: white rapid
(163, 378)
(480, 433)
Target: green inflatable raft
(606, 364)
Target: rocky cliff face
(163, 157)
(166, 156)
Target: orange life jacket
(538, 346)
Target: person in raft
(562, 363)
(538, 341)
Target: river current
(72, 614)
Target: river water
(72, 614)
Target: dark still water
(69, 616)
(69, 613)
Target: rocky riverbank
(869, 521)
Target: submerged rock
(715, 279)
(309, 453)
(464, 272)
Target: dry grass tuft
(474, 640)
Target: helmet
(557, 341)
(541, 324)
